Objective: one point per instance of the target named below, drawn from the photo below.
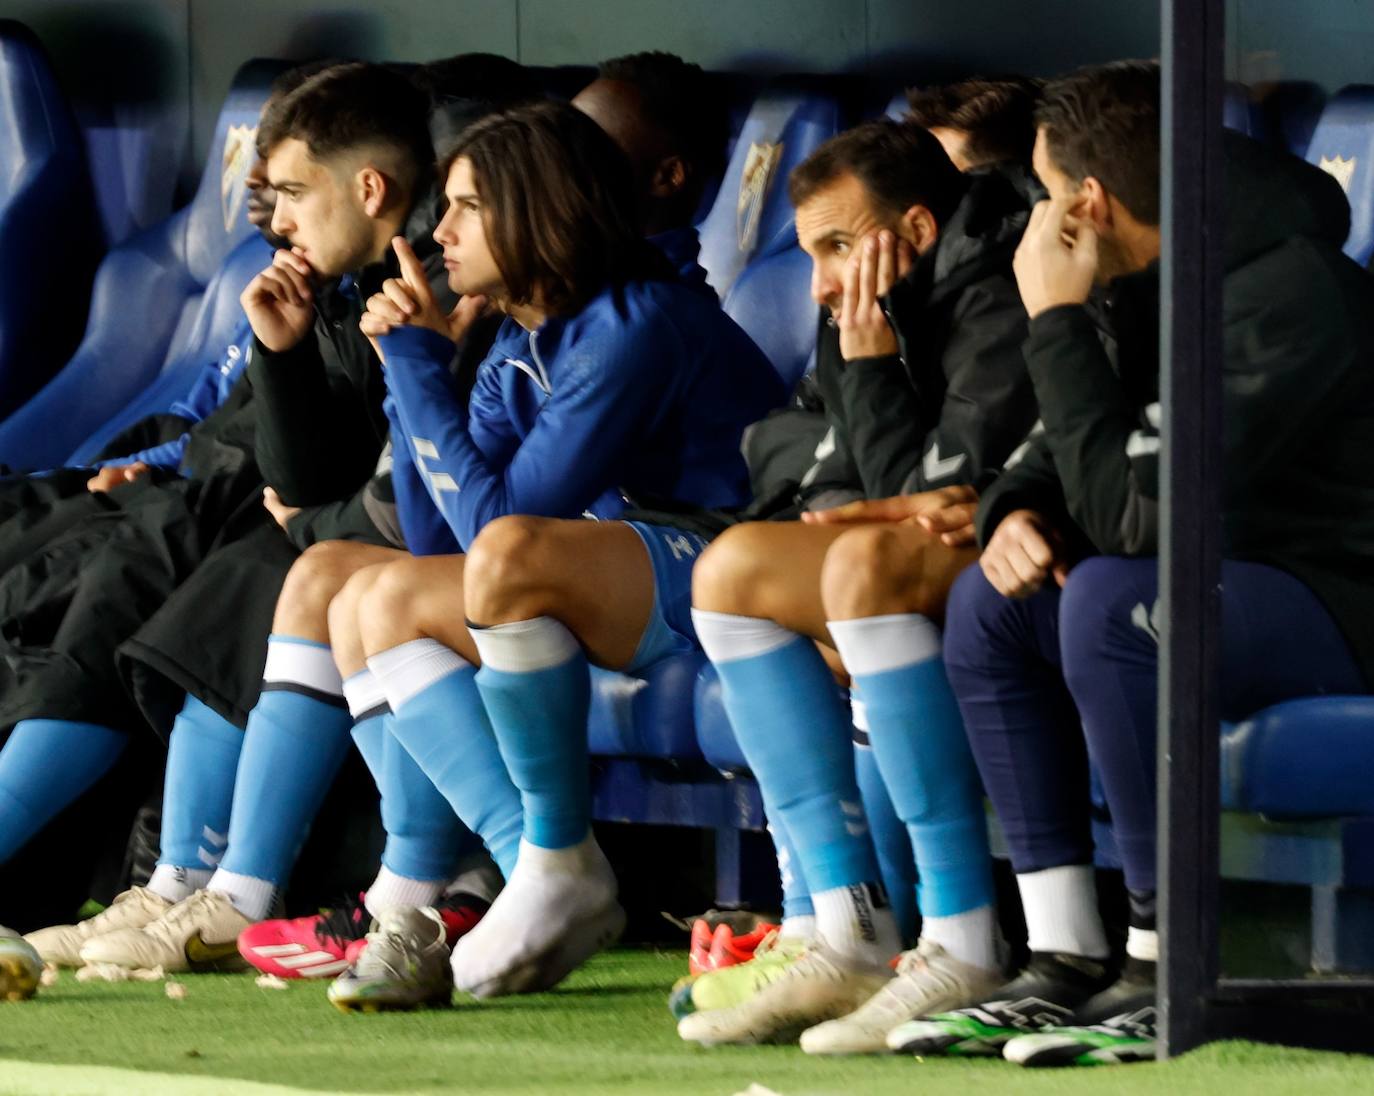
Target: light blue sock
(890, 841)
(424, 839)
(46, 765)
(536, 684)
(796, 898)
(370, 736)
(297, 738)
(202, 765)
(440, 721)
(922, 751)
(794, 729)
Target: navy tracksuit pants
(1027, 671)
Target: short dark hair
(997, 114)
(467, 87)
(898, 163)
(288, 81)
(681, 100)
(349, 105)
(1103, 121)
(558, 203)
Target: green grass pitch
(606, 1030)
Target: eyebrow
(455, 198)
(285, 184)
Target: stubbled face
(319, 209)
(829, 225)
(955, 144)
(462, 233)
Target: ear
(374, 190)
(1093, 204)
(918, 228)
(669, 177)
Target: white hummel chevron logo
(936, 467)
(439, 482)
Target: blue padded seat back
(48, 241)
(1343, 145)
(143, 308)
(897, 107)
(646, 715)
(715, 735)
(752, 216)
(217, 315)
(1309, 758)
(1240, 112)
(772, 301)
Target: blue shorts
(673, 553)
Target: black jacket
(320, 426)
(1298, 392)
(955, 400)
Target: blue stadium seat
(1294, 107)
(148, 295)
(1243, 114)
(748, 240)
(1343, 145)
(646, 716)
(1309, 758)
(48, 238)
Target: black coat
(1298, 399)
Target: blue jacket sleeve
(607, 392)
(423, 526)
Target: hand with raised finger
(864, 330)
(279, 302)
(1056, 261)
(427, 313)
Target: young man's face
(318, 210)
(462, 233)
(829, 225)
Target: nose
(825, 287)
(281, 221)
(443, 231)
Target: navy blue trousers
(1047, 682)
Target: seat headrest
(752, 216)
(216, 220)
(897, 107)
(1240, 112)
(1343, 146)
(34, 117)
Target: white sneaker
(557, 909)
(819, 986)
(61, 945)
(198, 933)
(928, 980)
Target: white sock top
(301, 662)
(727, 637)
(363, 692)
(525, 646)
(874, 645)
(413, 667)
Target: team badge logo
(759, 167)
(239, 151)
(1340, 169)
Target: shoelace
(346, 922)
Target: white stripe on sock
(390, 890)
(1061, 911)
(363, 692)
(874, 645)
(525, 646)
(294, 662)
(726, 637)
(412, 668)
(1143, 944)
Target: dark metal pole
(1189, 562)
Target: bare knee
(310, 585)
(512, 569)
(873, 570)
(732, 572)
(344, 607)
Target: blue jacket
(643, 394)
(210, 390)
